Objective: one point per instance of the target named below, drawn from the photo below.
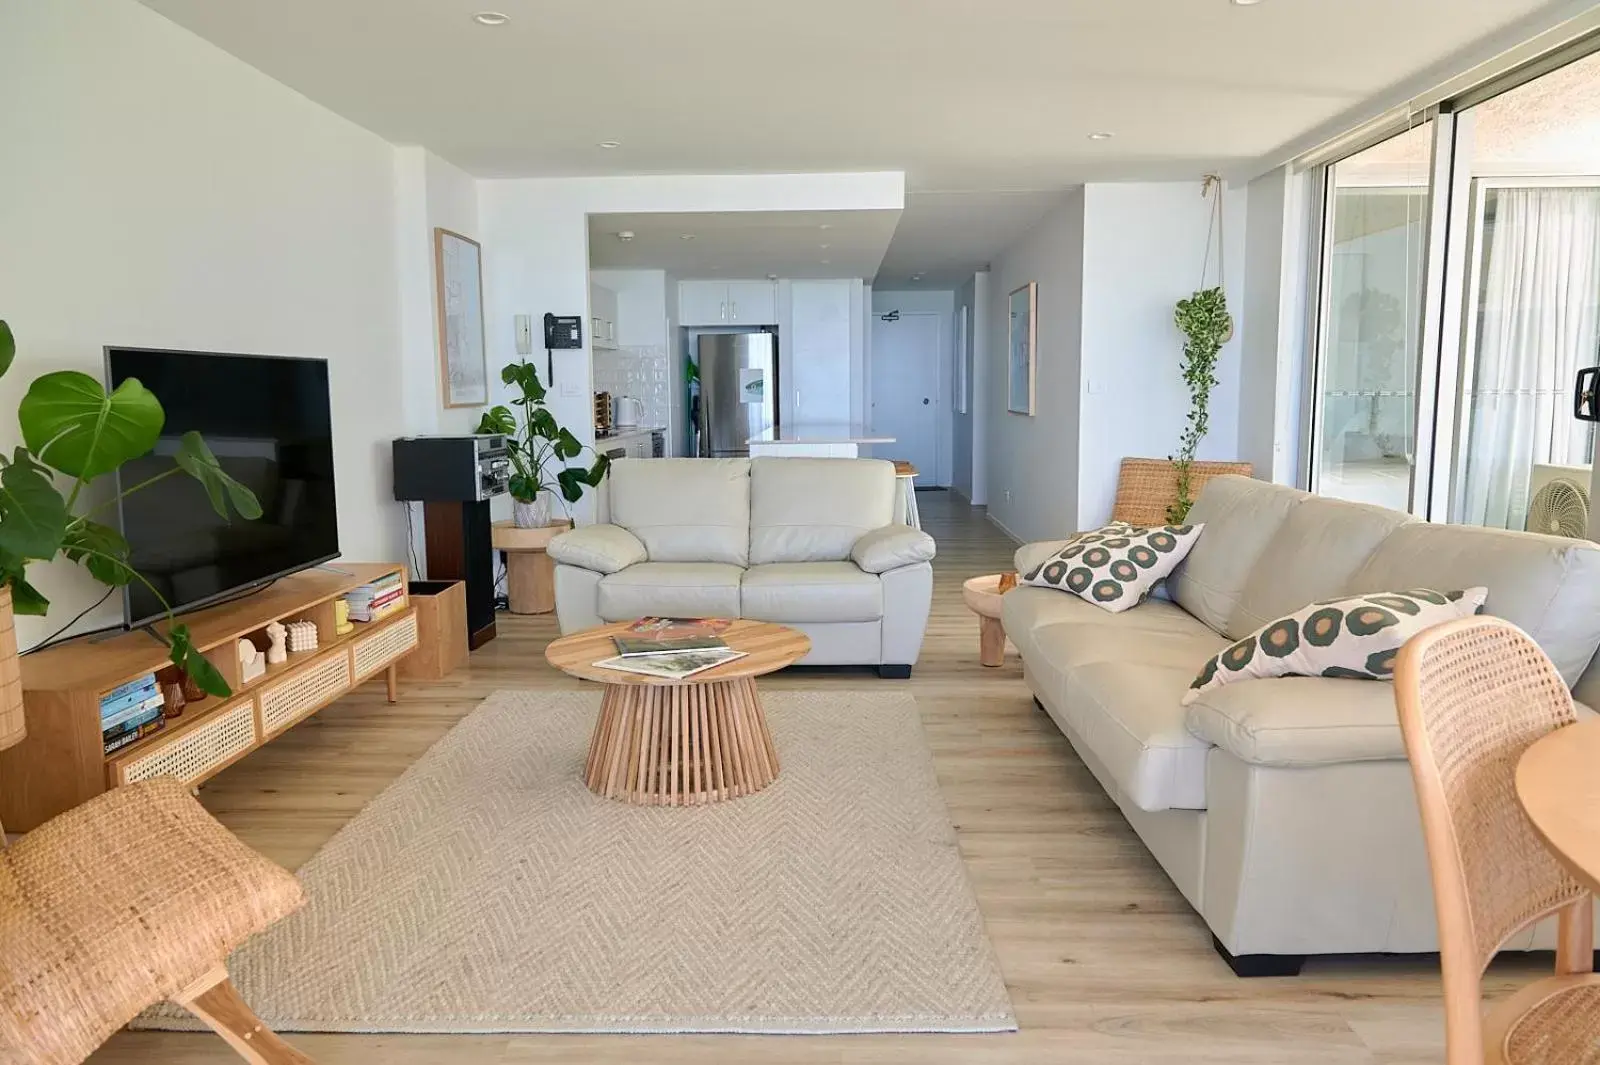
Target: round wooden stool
(982, 596)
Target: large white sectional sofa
(809, 543)
(1283, 809)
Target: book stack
(373, 601)
(131, 712)
(671, 648)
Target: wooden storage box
(441, 634)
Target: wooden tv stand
(62, 762)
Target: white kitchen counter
(819, 440)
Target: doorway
(907, 400)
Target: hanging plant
(1206, 325)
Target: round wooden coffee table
(701, 739)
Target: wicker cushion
(116, 905)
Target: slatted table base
(680, 744)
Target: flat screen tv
(268, 421)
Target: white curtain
(1538, 325)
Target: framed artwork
(458, 276)
(963, 360)
(1022, 350)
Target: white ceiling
(745, 244)
(967, 98)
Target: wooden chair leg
(1575, 938)
(391, 680)
(215, 1000)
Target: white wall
(941, 303)
(1032, 463)
(1143, 249)
(536, 255)
(1275, 313)
(157, 191)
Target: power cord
(56, 637)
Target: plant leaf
(72, 425)
(25, 598)
(497, 420)
(33, 516)
(194, 664)
(8, 347)
(566, 445)
(101, 550)
(195, 458)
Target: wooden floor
(1104, 960)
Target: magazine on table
(673, 666)
(671, 636)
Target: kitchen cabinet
(602, 317)
(727, 303)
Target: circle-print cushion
(1116, 566)
(1355, 638)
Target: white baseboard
(998, 524)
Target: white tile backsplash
(644, 373)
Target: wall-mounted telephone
(562, 331)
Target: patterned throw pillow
(1358, 637)
(1116, 566)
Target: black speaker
(460, 548)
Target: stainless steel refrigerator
(738, 391)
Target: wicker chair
(136, 896)
(1473, 695)
(1147, 487)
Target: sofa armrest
(1030, 555)
(602, 548)
(891, 547)
(1296, 722)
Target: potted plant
(1206, 325)
(72, 428)
(540, 449)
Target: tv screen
(267, 420)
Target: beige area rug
(487, 890)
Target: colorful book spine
(146, 681)
(137, 710)
(129, 738)
(110, 708)
(132, 724)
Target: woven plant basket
(1147, 487)
(12, 729)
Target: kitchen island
(834, 440)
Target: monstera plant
(539, 448)
(74, 432)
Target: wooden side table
(530, 572)
(982, 596)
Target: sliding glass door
(1459, 295)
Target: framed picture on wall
(963, 360)
(458, 276)
(1022, 348)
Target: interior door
(907, 400)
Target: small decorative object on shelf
(372, 601)
(341, 616)
(276, 654)
(1008, 581)
(173, 701)
(252, 663)
(302, 636)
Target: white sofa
(1283, 809)
(809, 543)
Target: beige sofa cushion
(1240, 515)
(1312, 556)
(814, 510)
(602, 548)
(1127, 712)
(1300, 721)
(810, 591)
(1547, 585)
(672, 589)
(685, 510)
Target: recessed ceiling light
(1245, 3)
(827, 225)
(491, 18)
(608, 145)
(1101, 136)
(772, 277)
(825, 262)
(916, 277)
(825, 246)
(625, 235)
(685, 236)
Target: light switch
(524, 323)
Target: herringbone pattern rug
(488, 891)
